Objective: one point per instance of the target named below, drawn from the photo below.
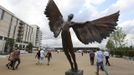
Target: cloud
(124, 6)
(127, 27)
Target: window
(7, 17)
(13, 27)
(23, 46)
(5, 38)
(16, 45)
(14, 21)
(1, 37)
(1, 14)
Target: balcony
(19, 39)
(21, 27)
(22, 23)
(20, 34)
(21, 30)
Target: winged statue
(87, 32)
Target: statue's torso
(65, 34)
(66, 26)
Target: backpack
(38, 54)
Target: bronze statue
(89, 31)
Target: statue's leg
(74, 58)
(72, 53)
(65, 48)
(69, 58)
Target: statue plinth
(70, 72)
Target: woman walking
(48, 56)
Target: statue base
(70, 72)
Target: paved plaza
(59, 65)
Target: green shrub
(131, 53)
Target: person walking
(48, 56)
(82, 53)
(38, 57)
(91, 55)
(106, 54)
(17, 58)
(42, 55)
(11, 59)
(99, 61)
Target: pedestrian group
(14, 59)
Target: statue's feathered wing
(86, 32)
(95, 30)
(55, 17)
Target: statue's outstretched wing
(95, 30)
(54, 17)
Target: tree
(29, 47)
(9, 45)
(118, 37)
(110, 45)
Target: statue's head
(70, 17)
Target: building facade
(36, 36)
(14, 29)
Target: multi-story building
(24, 35)
(37, 36)
(8, 23)
(14, 28)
